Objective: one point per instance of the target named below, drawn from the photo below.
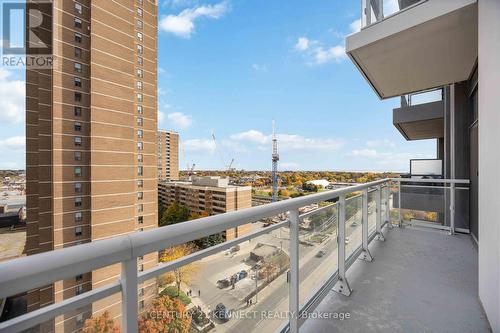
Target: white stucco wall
(489, 159)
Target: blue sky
(231, 67)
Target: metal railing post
(378, 203)
(293, 303)
(367, 11)
(365, 254)
(342, 286)
(128, 281)
(388, 206)
(399, 205)
(452, 208)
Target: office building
(168, 155)
(91, 124)
(212, 195)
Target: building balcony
(423, 45)
(420, 116)
(357, 255)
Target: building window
(78, 155)
(139, 36)
(140, 171)
(141, 266)
(140, 145)
(79, 319)
(139, 85)
(139, 158)
(140, 183)
(140, 133)
(139, 98)
(79, 288)
(78, 111)
(78, 218)
(139, 109)
(78, 140)
(141, 304)
(140, 121)
(78, 201)
(78, 37)
(78, 52)
(139, 49)
(78, 171)
(78, 82)
(78, 96)
(140, 195)
(78, 187)
(139, 24)
(78, 126)
(78, 67)
(140, 73)
(139, 2)
(139, 12)
(139, 61)
(78, 8)
(140, 219)
(78, 23)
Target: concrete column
(489, 159)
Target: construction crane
(275, 159)
(229, 167)
(189, 168)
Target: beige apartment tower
(91, 124)
(213, 195)
(168, 155)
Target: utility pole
(275, 159)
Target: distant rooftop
(208, 181)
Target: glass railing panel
(233, 290)
(423, 203)
(376, 10)
(318, 254)
(353, 221)
(372, 211)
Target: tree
(185, 273)
(174, 213)
(166, 315)
(101, 324)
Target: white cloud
(380, 143)
(390, 7)
(355, 25)
(161, 117)
(318, 53)
(252, 136)
(205, 145)
(365, 152)
(179, 120)
(15, 143)
(183, 24)
(303, 43)
(289, 166)
(12, 98)
(288, 141)
(259, 68)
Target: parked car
(347, 240)
(224, 283)
(320, 253)
(221, 312)
(242, 274)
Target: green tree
(175, 213)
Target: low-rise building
(213, 195)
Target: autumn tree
(183, 274)
(174, 213)
(101, 324)
(165, 315)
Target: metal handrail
(38, 270)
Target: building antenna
(275, 159)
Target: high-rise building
(168, 155)
(212, 195)
(91, 124)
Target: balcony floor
(420, 281)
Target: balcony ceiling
(431, 44)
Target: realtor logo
(27, 34)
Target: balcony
(420, 116)
(422, 45)
(405, 279)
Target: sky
(231, 67)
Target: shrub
(171, 291)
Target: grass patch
(171, 291)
